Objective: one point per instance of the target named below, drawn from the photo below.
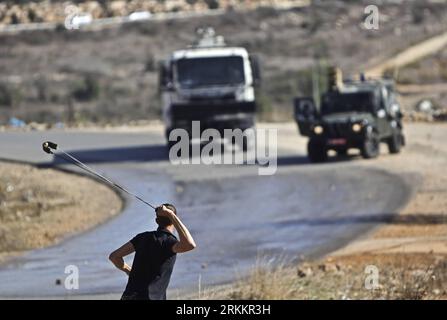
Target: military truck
(209, 82)
(356, 114)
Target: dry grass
(401, 277)
(266, 282)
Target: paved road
(235, 215)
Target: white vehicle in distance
(81, 19)
(209, 82)
(140, 15)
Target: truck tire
(395, 142)
(316, 151)
(370, 148)
(246, 145)
(170, 144)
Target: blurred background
(86, 74)
(107, 71)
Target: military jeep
(357, 115)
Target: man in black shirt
(155, 254)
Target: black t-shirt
(152, 265)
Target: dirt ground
(39, 207)
(409, 250)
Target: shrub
(9, 97)
(212, 4)
(87, 89)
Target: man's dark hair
(163, 222)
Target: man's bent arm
(186, 242)
(117, 257)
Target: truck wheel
(170, 144)
(370, 148)
(395, 141)
(247, 144)
(316, 151)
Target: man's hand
(163, 211)
(186, 242)
(117, 257)
(127, 269)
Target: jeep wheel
(395, 141)
(316, 151)
(170, 144)
(244, 146)
(247, 143)
(370, 148)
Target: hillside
(110, 75)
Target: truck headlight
(318, 129)
(356, 127)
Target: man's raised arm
(186, 242)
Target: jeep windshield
(215, 71)
(347, 102)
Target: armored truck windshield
(213, 71)
(335, 102)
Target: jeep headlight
(356, 127)
(318, 129)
